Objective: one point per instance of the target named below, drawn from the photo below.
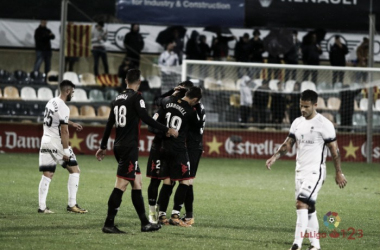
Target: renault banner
(350, 15)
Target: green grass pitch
(238, 205)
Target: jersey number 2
(120, 115)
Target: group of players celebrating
(177, 147)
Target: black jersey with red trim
(177, 114)
(195, 135)
(126, 111)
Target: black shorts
(127, 159)
(154, 163)
(194, 157)
(176, 166)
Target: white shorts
(51, 154)
(308, 186)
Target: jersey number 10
(173, 121)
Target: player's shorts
(51, 154)
(308, 186)
(194, 157)
(154, 163)
(127, 158)
(176, 166)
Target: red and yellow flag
(78, 40)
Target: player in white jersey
(55, 149)
(312, 133)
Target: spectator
(204, 48)
(42, 37)
(245, 101)
(274, 73)
(278, 105)
(310, 56)
(242, 50)
(261, 98)
(134, 44)
(257, 50)
(192, 50)
(168, 61)
(346, 110)
(338, 54)
(362, 54)
(179, 45)
(99, 37)
(291, 57)
(220, 52)
(294, 102)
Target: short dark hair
(101, 23)
(246, 35)
(186, 84)
(194, 92)
(256, 32)
(133, 75)
(337, 36)
(309, 95)
(66, 83)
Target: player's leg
(47, 165)
(138, 203)
(194, 157)
(152, 172)
(306, 190)
(181, 173)
(73, 184)
(164, 197)
(114, 203)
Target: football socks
(113, 206)
(165, 193)
(153, 191)
(138, 203)
(313, 228)
(302, 221)
(43, 190)
(72, 187)
(189, 202)
(179, 197)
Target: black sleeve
(143, 114)
(201, 114)
(158, 100)
(107, 131)
(159, 118)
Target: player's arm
(143, 114)
(65, 141)
(107, 132)
(339, 176)
(77, 126)
(157, 117)
(282, 150)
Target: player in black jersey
(194, 143)
(178, 114)
(126, 111)
(154, 162)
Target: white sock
(160, 213)
(152, 209)
(302, 221)
(72, 187)
(176, 212)
(313, 229)
(43, 190)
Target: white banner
(20, 33)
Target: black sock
(138, 203)
(179, 197)
(153, 191)
(189, 202)
(165, 192)
(113, 206)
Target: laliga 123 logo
(331, 220)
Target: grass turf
(238, 205)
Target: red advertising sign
(26, 138)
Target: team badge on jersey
(155, 117)
(142, 103)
